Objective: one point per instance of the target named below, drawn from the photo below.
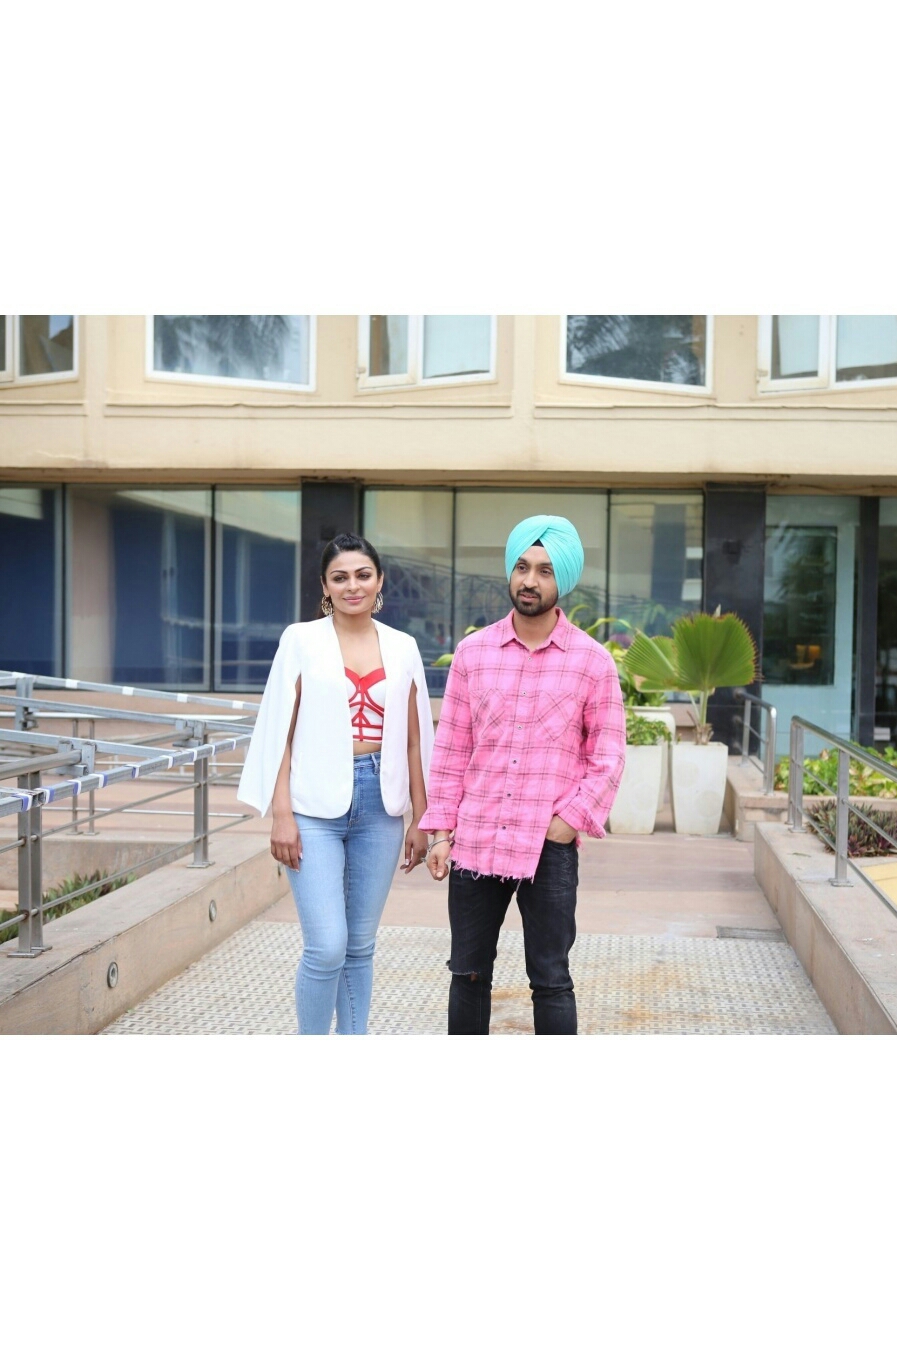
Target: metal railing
(90, 764)
(766, 743)
(798, 818)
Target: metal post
(770, 775)
(843, 807)
(91, 796)
(796, 779)
(74, 830)
(201, 809)
(31, 910)
(746, 732)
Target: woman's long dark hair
(349, 543)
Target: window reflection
(799, 594)
(656, 557)
(46, 344)
(412, 532)
(140, 586)
(258, 551)
(273, 348)
(30, 599)
(659, 348)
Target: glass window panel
(273, 348)
(662, 348)
(30, 597)
(799, 596)
(484, 521)
(257, 595)
(866, 347)
(139, 586)
(656, 557)
(46, 344)
(412, 532)
(886, 665)
(456, 344)
(3, 344)
(388, 344)
(795, 346)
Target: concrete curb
(151, 929)
(844, 937)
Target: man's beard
(535, 607)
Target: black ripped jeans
(477, 907)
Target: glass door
(808, 611)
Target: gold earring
(378, 603)
(327, 606)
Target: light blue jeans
(340, 889)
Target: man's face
(532, 588)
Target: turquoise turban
(561, 542)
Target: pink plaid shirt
(524, 736)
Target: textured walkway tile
(624, 985)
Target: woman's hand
(415, 848)
(286, 844)
(438, 863)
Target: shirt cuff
(436, 819)
(578, 817)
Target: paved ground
(675, 937)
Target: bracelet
(437, 842)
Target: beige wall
(527, 425)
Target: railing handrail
(846, 751)
(769, 762)
(855, 751)
(752, 698)
(150, 761)
(126, 690)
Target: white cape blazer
(321, 777)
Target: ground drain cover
(756, 934)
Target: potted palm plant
(635, 806)
(706, 652)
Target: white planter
(661, 715)
(635, 805)
(698, 786)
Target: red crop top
(365, 707)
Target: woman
(341, 743)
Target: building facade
(167, 484)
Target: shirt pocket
(557, 715)
(488, 710)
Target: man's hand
(559, 832)
(286, 845)
(438, 859)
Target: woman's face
(352, 582)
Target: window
(273, 351)
(38, 348)
(412, 531)
(645, 350)
(826, 351)
(656, 557)
(139, 592)
(257, 584)
(484, 521)
(31, 599)
(422, 349)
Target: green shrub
(862, 839)
(98, 886)
(645, 730)
(864, 780)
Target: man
(529, 752)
